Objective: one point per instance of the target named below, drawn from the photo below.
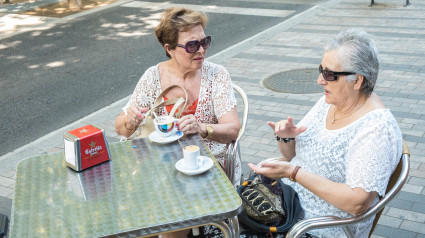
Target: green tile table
(138, 192)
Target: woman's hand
(286, 128)
(189, 125)
(274, 169)
(126, 124)
(135, 115)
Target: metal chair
(233, 148)
(397, 180)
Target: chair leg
(348, 232)
(3, 225)
(407, 3)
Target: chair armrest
(230, 157)
(304, 226)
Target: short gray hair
(357, 53)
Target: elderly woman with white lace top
(340, 156)
(211, 106)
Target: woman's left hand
(189, 125)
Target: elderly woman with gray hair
(340, 156)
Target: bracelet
(294, 174)
(125, 125)
(284, 140)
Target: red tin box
(85, 147)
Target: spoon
(181, 144)
(156, 116)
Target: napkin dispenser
(85, 147)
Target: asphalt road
(50, 78)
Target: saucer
(204, 163)
(155, 137)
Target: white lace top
(216, 98)
(363, 154)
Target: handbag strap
(176, 101)
(177, 105)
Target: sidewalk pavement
(297, 44)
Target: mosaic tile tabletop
(138, 192)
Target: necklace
(334, 119)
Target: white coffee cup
(165, 125)
(190, 157)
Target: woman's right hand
(286, 128)
(273, 169)
(135, 115)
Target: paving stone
(5, 191)
(375, 236)
(412, 188)
(248, 151)
(411, 197)
(390, 221)
(417, 181)
(6, 182)
(407, 215)
(418, 207)
(10, 174)
(391, 232)
(414, 165)
(420, 236)
(402, 204)
(413, 226)
(265, 155)
(417, 173)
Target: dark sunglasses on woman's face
(331, 75)
(193, 45)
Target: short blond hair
(175, 20)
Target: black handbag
(268, 205)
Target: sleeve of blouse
(373, 155)
(143, 94)
(223, 95)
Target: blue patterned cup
(165, 125)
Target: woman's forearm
(120, 126)
(342, 196)
(287, 149)
(224, 133)
(227, 129)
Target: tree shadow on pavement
(66, 8)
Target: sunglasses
(194, 45)
(331, 75)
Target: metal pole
(407, 3)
